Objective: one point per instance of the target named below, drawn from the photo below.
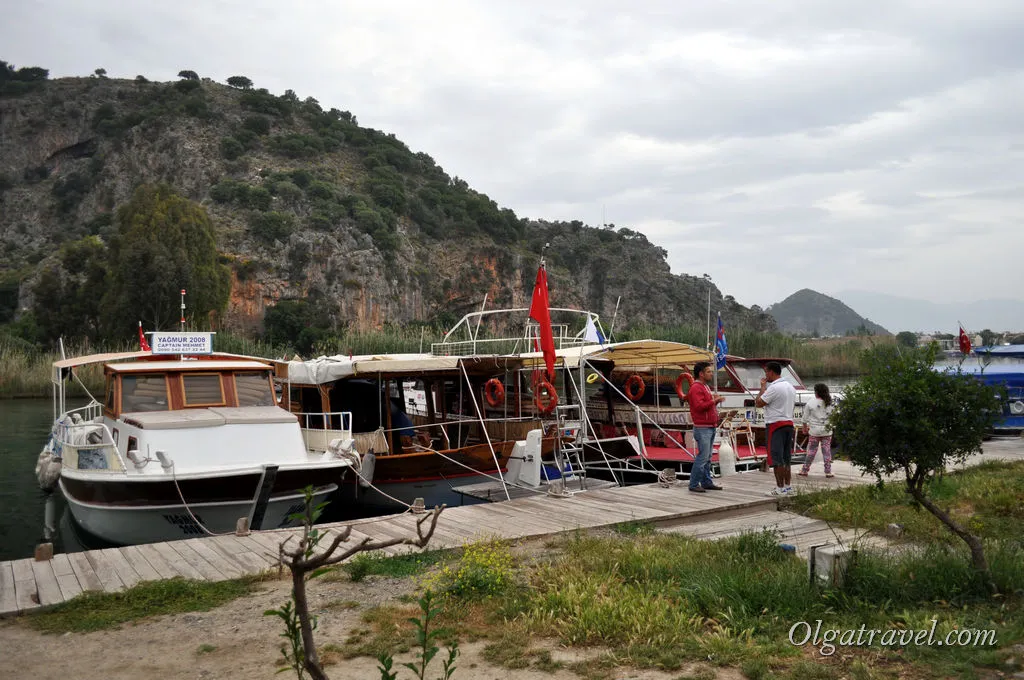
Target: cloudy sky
(827, 144)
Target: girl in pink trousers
(815, 423)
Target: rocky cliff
(306, 203)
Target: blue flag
(721, 346)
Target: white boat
(181, 447)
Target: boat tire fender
(688, 379)
(494, 392)
(634, 387)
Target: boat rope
(174, 478)
(370, 484)
(484, 474)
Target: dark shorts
(780, 448)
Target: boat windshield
(751, 374)
(144, 393)
(254, 389)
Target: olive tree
(908, 416)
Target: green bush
(270, 227)
(231, 148)
(259, 125)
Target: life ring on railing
(494, 392)
(634, 387)
(545, 404)
(688, 379)
(1017, 408)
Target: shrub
(187, 86)
(270, 227)
(259, 125)
(231, 148)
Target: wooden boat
(180, 446)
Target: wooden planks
(742, 507)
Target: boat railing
(467, 337)
(318, 429)
(84, 442)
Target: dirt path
(245, 643)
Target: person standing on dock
(704, 412)
(815, 423)
(778, 397)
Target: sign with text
(182, 343)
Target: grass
(396, 566)
(668, 602)
(100, 611)
(986, 498)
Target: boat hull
(398, 480)
(150, 523)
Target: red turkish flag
(143, 345)
(965, 342)
(540, 312)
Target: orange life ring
(545, 405)
(494, 392)
(634, 387)
(688, 378)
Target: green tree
(241, 82)
(904, 416)
(188, 75)
(164, 243)
(988, 337)
(100, 73)
(906, 339)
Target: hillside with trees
(810, 314)
(116, 193)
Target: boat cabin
(175, 385)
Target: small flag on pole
(965, 341)
(142, 340)
(591, 333)
(721, 346)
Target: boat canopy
(328, 369)
(632, 354)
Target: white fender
(367, 468)
(726, 458)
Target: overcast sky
(774, 145)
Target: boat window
(203, 389)
(750, 375)
(727, 383)
(144, 393)
(790, 376)
(254, 389)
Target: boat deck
(26, 584)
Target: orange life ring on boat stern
(634, 387)
(494, 392)
(545, 404)
(688, 378)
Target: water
(24, 427)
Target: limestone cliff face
(307, 203)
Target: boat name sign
(182, 343)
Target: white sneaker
(777, 491)
(789, 491)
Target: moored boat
(181, 446)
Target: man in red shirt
(704, 413)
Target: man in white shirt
(778, 398)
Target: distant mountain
(807, 312)
(905, 314)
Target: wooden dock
(27, 584)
